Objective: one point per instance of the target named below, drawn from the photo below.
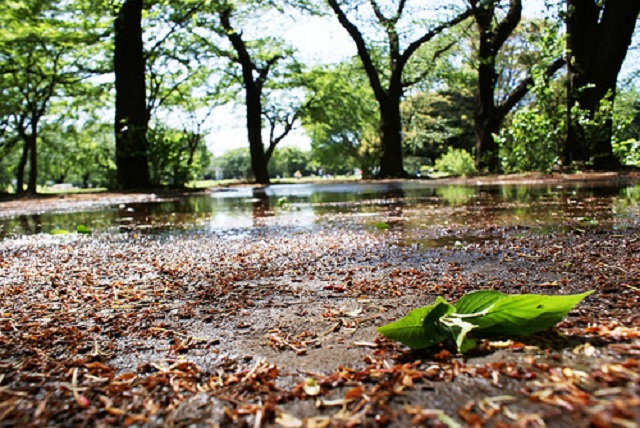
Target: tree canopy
(425, 79)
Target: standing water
(396, 206)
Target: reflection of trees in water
(30, 224)
(394, 197)
(455, 195)
(403, 206)
(261, 203)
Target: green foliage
(84, 230)
(59, 232)
(235, 163)
(626, 127)
(289, 161)
(481, 314)
(175, 156)
(341, 118)
(80, 154)
(535, 137)
(533, 141)
(436, 121)
(456, 162)
(46, 49)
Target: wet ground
(258, 307)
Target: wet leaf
(83, 229)
(59, 232)
(485, 313)
(525, 314)
(381, 226)
(420, 328)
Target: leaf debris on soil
(277, 328)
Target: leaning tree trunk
(598, 37)
(132, 117)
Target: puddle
(413, 206)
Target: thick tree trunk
(391, 161)
(485, 127)
(259, 161)
(485, 118)
(598, 38)
(132, 117)
(488, 115)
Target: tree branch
(426, 70)
(363, 52)
(508, 24)
(413, 47)
(523, 87)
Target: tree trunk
(488, 116)
(485, 127)
(132, 117)
(32, 184)
(391, 162)
(254, 130)
(253, 95)
(598, 38)
(22, 166)
(485, 118)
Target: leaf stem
(474, 315)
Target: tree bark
(32, 184)
(488, 116)
(485, 127)
(389, 98)
(132, 116)
(259, 162)
(22, 166)
(390, 131)
(253, 97)
(598, 37)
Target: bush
(627, 151)
(533, 142)
(456, 162)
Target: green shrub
(627, 151)
(456, 162)
(533, 142)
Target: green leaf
(421, 327)
(525, 314)
(83, 229)
(59, 232)
(381, 226)
(482, 313)
(477, 301)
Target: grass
(204, 184)
(45, 190)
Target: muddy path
(276, 325)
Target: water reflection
(402, 205)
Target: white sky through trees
(321, 40)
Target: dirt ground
(277, 326)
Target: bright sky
(319, 40)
